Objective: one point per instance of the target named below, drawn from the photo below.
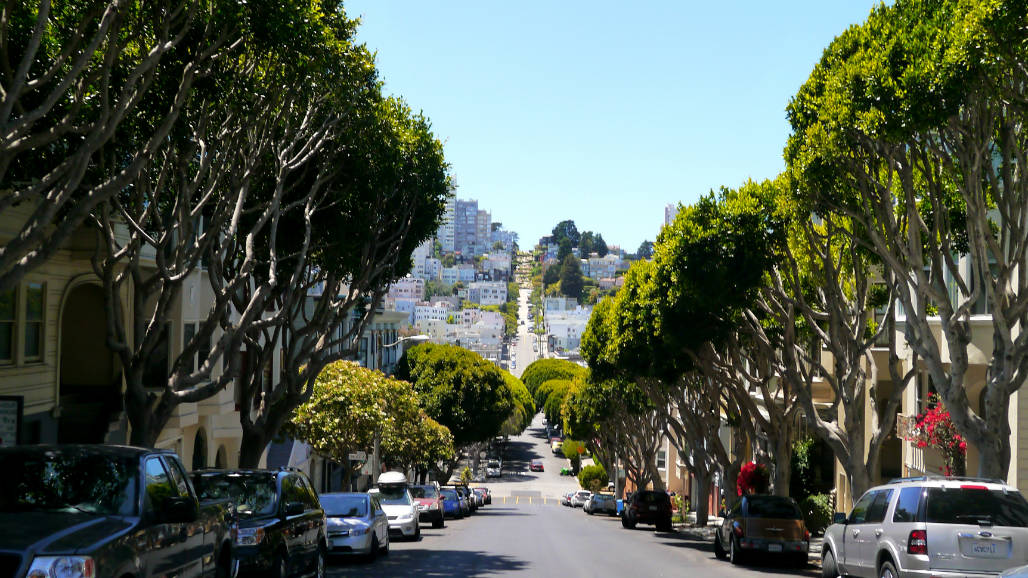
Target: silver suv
(929, 526)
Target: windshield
(773, 507)
(493, 464)
(68, 482)
(424, 492)
(344, 506)
(967, 506)
(394, 496)
(253, 493)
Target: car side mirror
(722, 514)
(293, 508)
(180, 510)
(839, 518)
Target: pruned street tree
(912, 126)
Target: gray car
(930, 526)
(602, 504)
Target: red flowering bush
(754, 478)
(935, 429)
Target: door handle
(878, 533)
(856, 533)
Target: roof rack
(946, 478)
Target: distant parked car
(481, 495)
(429, 503)
(565, 498)
(451, 503)
(579, 498)
(602, 504)
(488, 495)
(492, 469)
(535, 466)
(764, 525)
(930, 526)
(647, 507)
(357, 524)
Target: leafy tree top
(566, 230)
(543, 370)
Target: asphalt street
(526, 532)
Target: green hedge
(817, 512)
(593, 478)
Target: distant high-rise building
(465, 227)
(447, 229)
(670, 212)
(483, 232)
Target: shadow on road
(760, 566)
(430, 564)
(491, 511)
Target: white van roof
(392, 478)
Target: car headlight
(249, 536)
(359, 530)
(406, 517)
(62, 567)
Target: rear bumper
(774, 546)
(430, 516)
(407, 528)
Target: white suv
(929, 526)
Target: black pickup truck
(93, 511)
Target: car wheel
(319, 563)
(887, 570)
(281, 565)
(734, 552)
(373, 551)
(828, 567)
(438, 523)
(719, 550)
(417, 533)
(627, 524)
(385, 549)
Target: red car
(535, 466)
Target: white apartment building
(436, 311)
(566, 327)
(431, 269)
(483, 232)
(447, 231)
(487, 292)
(449, 275)
(601, 267)
(558, 304)
(407, 288)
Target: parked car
(492, 469)
(486, 494)
(96, 510)
(557, 446)
(934, 526)
(281, 529)
(472, 504)
(566, 471)
(647, 507)
(393, 493)
(429, 503)
(565, 498)
(451, 503)
(356, 524)
(766, 525)
(480, 493)
(602, 504)
(1018, 572)
(579, 498)
(535, 466)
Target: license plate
(774, 547)
(987, 549)
(653, 508)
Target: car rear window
(653, 497)
(773, 507)
(976, 506)
(424, 492)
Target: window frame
(13, 322)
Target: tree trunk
(252, 448)
(783, 465)
(702, 496)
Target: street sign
(358, 456)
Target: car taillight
(917, 543)
(806, 535)
(737, 529)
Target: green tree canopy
(543, 370)
(571, 280)
(645, 250)
(566, 230)
(459, 389)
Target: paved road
(526, 532)
(523, 354)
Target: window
(292, 492)
(158, 485)
(34, 321)
(907, 505)
(8, 317)
(876, 512)
(661, 459)
(859, 513)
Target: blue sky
(601, 112)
